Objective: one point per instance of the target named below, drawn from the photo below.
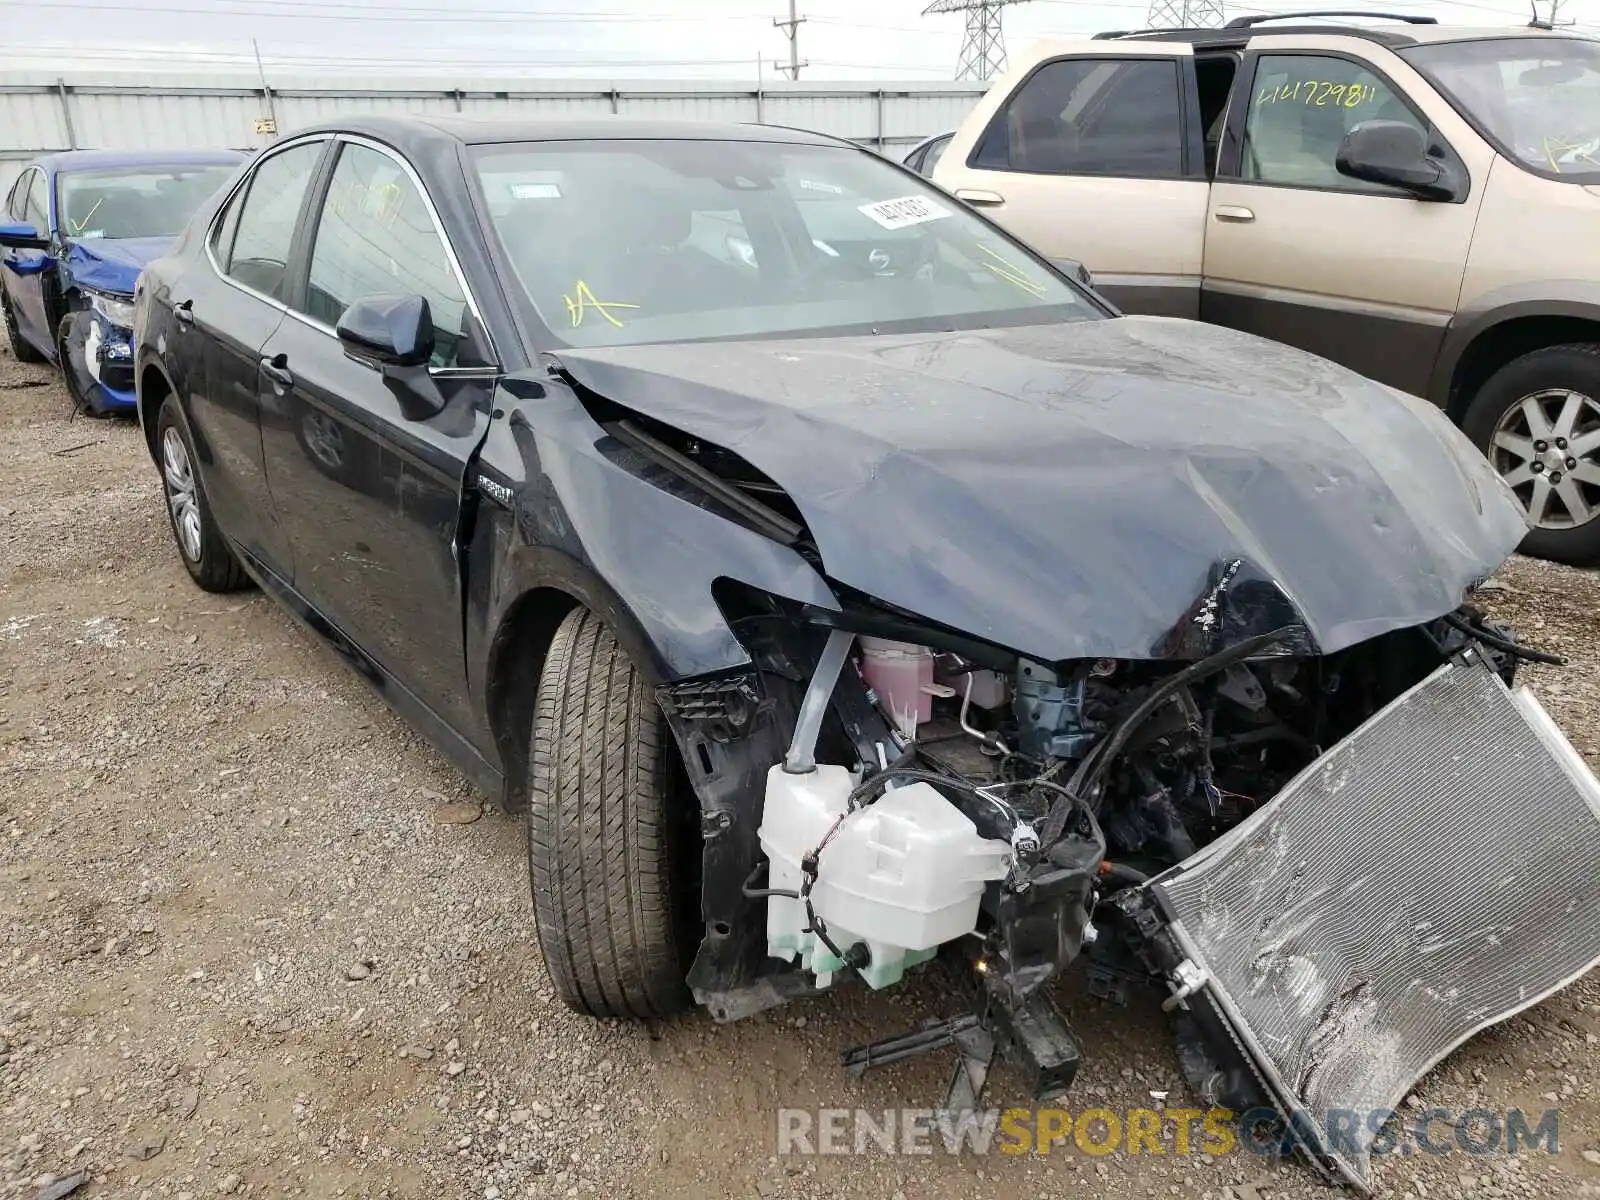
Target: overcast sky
(618, 39)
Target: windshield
(135, 202)
(1538, 98)
(617, 243)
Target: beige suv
(1417, 202)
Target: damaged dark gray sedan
(838, 587)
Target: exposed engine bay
(937, 798)
(1175, 695)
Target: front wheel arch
(152, 388)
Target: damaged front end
(1254, 826)
(1146, 647)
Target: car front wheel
(1537, 419)
(604, 851)
(200, 543)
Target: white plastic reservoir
(903, 875)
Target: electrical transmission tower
(1184, 14)
(983, 50)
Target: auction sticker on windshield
(907, 210)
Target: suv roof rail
(1247, 22)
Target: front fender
(642, 557)
(1558, 298)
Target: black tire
(1573, 368)
(81, 388)
(603, 855)
(213, 565)
(20, 346)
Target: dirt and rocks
(257, 939)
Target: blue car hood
(112, 264)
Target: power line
(368, 15)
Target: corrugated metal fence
(39, 115)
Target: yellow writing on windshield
(1557, 151)
(1012, 273)
(585, 302)
(1319, 93)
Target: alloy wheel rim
(1547, 447)
(181, 496)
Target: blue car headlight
(117, 312)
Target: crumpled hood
(113, 264)
(1072, 490)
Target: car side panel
(230, 326)
(1140, 238)
(26, 274)
(372, 504)
(1370, 281)
(1510, 248)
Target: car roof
(1394, 36)
(412, 131)
(93, 160)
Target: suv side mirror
(21, 235)
(1395, 153)
(388, 331)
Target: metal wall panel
(159, 110)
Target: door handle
(1234, 212)
(978, 196)
(276, 370)
(184, 311)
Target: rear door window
(271, 209)
(1090, 116)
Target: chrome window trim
(439, 230)
(433, 215)
(222, 210)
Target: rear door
(1357, 272)
(1095, 154)
(26, 271)
(223, 318)
(368, 486)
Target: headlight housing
(117, 312)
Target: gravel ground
(257, 939)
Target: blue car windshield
(624, 242)
(134, 202)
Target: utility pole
(791, 29)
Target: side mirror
(1395, 153)
(21, 235)
(388, 331)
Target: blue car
(78, 228)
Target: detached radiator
(1434, 873)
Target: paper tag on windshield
(907, 210)
(536, 191)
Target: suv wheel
(20, 346)
(602, 852)
(1537, 420)
(200, 543)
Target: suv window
(1300, 110)
(260, 254)
(1084, 116)
(38, 204)
(376, 237)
